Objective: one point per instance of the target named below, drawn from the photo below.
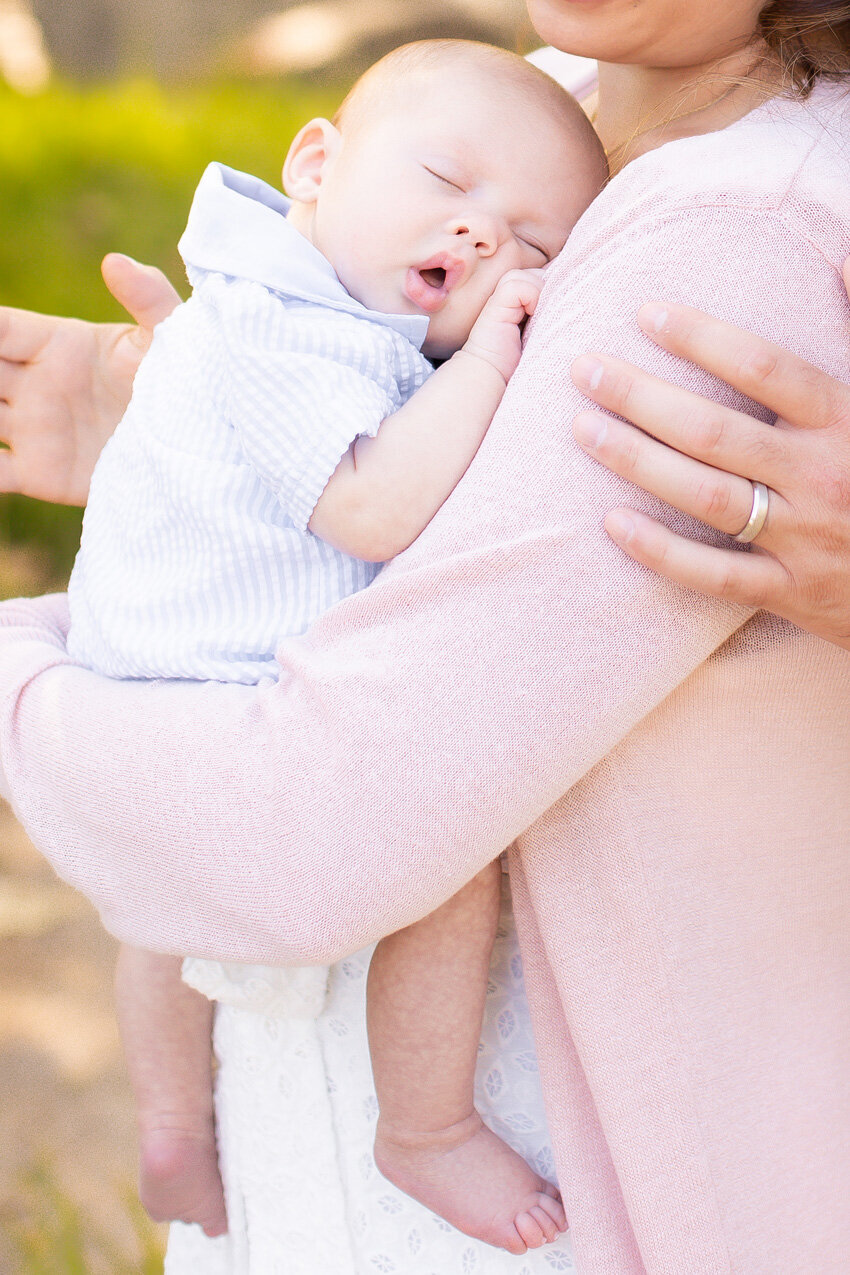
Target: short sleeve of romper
(304, 381)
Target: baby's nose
(481, 229)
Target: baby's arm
(386, 489)
(425, 1005)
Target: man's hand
(64, 384)
(801, 567)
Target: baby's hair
(396, 74)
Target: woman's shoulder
(789, 156)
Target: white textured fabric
(303, 1194)
(196, 559)
(274, 991)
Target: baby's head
(448, 164)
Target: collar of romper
(237, 226)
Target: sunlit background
(109, 112)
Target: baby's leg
(165, 1027)
(426, 991)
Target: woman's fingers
(751, 579)
(785, 384)
(144, 291)
(723, 500)
(718, 435)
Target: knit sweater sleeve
(421, 725)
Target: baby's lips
(455, 272)
(422, 294)
(427, 294)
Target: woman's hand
(801, 569)
(64, 384)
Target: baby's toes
(552, 1204)
(530, 1227)
(513, 1241)
(547, 1223)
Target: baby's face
(424, 210)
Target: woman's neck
(640, 108)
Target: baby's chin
(440, 353)
(438, 346)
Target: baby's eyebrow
(454, 145)
(449, 155)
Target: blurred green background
(85, 170)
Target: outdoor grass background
(88, 170)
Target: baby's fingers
(517, 292)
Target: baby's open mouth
(434, 276)
(428, 286)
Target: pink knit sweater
(675, 773)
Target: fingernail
(587, 372)
(653, 316)
(619, 527)
(590, 430)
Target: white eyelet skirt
(296, 1115)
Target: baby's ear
(315, 145)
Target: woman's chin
(580, 27)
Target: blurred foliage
(84, 171)
(50, 1234)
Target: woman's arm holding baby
(64, 384)
(386, 489)
(423, 723)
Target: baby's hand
(496, 336)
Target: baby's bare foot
(474, 1180)
(179, 1179)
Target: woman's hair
(809, 38)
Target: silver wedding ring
(758, 514)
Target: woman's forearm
(408, 741)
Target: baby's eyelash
(536, 246)
(440, 178)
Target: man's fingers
(722, 500)
(750, 579)
(10, 374)
(719, 435)
(144, 291)
(21, 334)
(788, 386)
(9, 480)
